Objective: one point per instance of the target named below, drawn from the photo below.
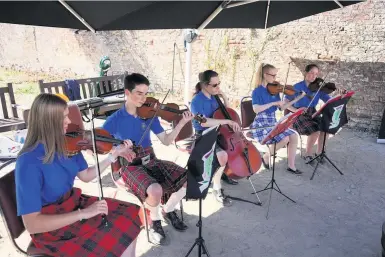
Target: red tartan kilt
(305, 124)
(90, 237)
(138, 180)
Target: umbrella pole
(188, 50)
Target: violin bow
(152, 119)
(287, 75)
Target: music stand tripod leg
(316, 167)
(273, 182)
(321, 156)
(255, 191)
(327, 158)
(200, 242)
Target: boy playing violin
(148, 177)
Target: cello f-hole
(232, 144)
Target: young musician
(305, 125)
(265, 105)
(62, 221)
(150, 178)
(205, 104)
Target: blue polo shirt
(305, 101)
(123, 126)
(261, 96)
(201, 104)
(39, 184)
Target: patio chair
(8, 123)
(13, 223)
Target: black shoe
(176, 222)
(220, 197)
(296, 172)
(308, 159)
(229, 180)
(157, 235)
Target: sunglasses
(214, 85)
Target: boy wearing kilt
(148, 177)
(265, 105)
(60, 219)
(305, 124)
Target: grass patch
(27, 88)
(24, 83)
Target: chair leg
(181, 210)
(270, 155)
(287, 153)
(146, 222)
(300, 147)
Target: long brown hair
(204, 79)
(45, 125)
(261, 70)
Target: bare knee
(316, 134)
(313, 136)
(155, 191)
(222, 158)
(293, 137)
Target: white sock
(217, 185)
(154, 211)
(174, 200)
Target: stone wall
(352, 38)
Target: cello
(243, 157)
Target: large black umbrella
(143, 15)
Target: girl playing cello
(205, 104)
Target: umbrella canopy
(144, 15)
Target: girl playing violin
(305, 124)
(60, 219)
(205, 104)
(265, 105)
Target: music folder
(283, 124)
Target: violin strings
(152, 119)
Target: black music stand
(91, 105)
(283, 124)
(332, 117)
(202, 165)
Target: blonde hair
(45, 125)
(261, 70)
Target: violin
(168, 112)
(243, 157)
(327, 87)
(275, 88)
(77, 140)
